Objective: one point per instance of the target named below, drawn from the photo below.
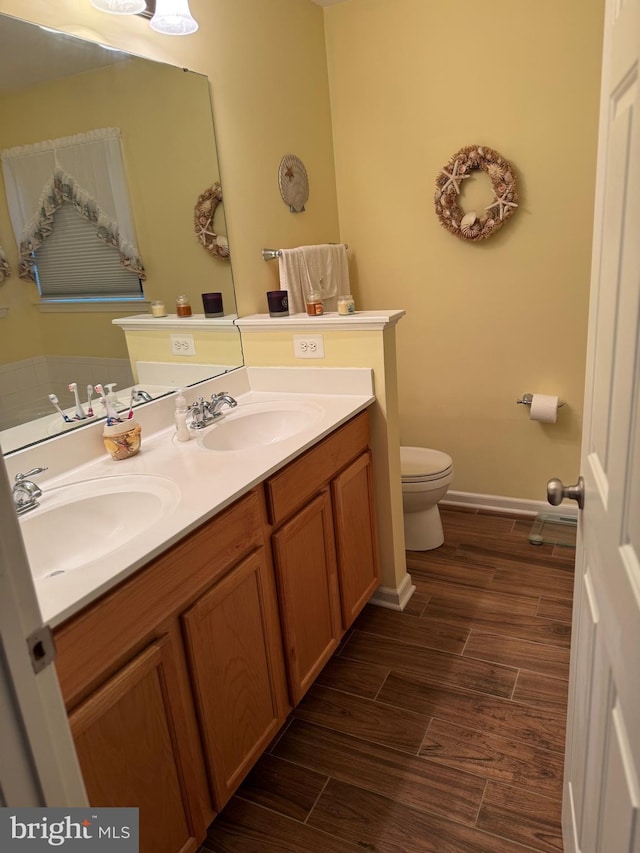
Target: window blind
(72, 263)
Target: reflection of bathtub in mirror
(53, 424)
(156, 378)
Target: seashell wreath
(203, 213)
(471, 226)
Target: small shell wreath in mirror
(5, 269)
(473, 225)
(203, 214)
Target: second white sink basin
(82, 522)
(259, 424)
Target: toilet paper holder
(527, 400)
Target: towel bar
(272, 254)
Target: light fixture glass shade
(173, 18)
(120, 7)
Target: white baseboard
(498, 503)
(394, 598)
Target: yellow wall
(411, 83)
(219, 347)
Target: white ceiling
(30, 54)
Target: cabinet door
(305, 561)
(356, 537)
(235, 652)
(126, 740)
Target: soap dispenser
(182, 430)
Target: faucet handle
(32, 473)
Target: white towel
(323, 268)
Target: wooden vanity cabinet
(324, 543)
(174, 681)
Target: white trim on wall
(498, 503)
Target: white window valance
(86, 170)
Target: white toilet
(426, 475)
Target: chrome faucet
(139, 395)
(217, 402)
(205, 412)
(25, 492)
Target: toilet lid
(422, 463)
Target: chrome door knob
(556, 491)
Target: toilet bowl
(426, 475)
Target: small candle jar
(183, 306)
(314, 304)
(158, 309)
(278, 302)
(346, 305)
(212, 304)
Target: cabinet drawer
(293, 487)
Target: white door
(602, 788)
(38, 764)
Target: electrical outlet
(308, 346)
(182, 345)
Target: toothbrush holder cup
(122, 440)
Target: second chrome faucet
(205, 412)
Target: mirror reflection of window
(73, 264)
(85, 170)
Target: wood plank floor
(437, 729)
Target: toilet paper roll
(544, 408)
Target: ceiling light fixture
(169, 17)
(120, 7)
(173, 18)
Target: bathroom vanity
(178, 676)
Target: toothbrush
(80, 414)
(133, 394)
(112, 415)
(89, 396)
(54, 400)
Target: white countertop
(208, 481)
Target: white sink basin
(259, 424)
(82, 522)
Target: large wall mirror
(51, 86)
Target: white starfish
(453, 178)
(501, 203)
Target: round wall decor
(293, 182)
(471, 225)
(203, 213)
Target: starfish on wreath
(501, 203)
(453, 178)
